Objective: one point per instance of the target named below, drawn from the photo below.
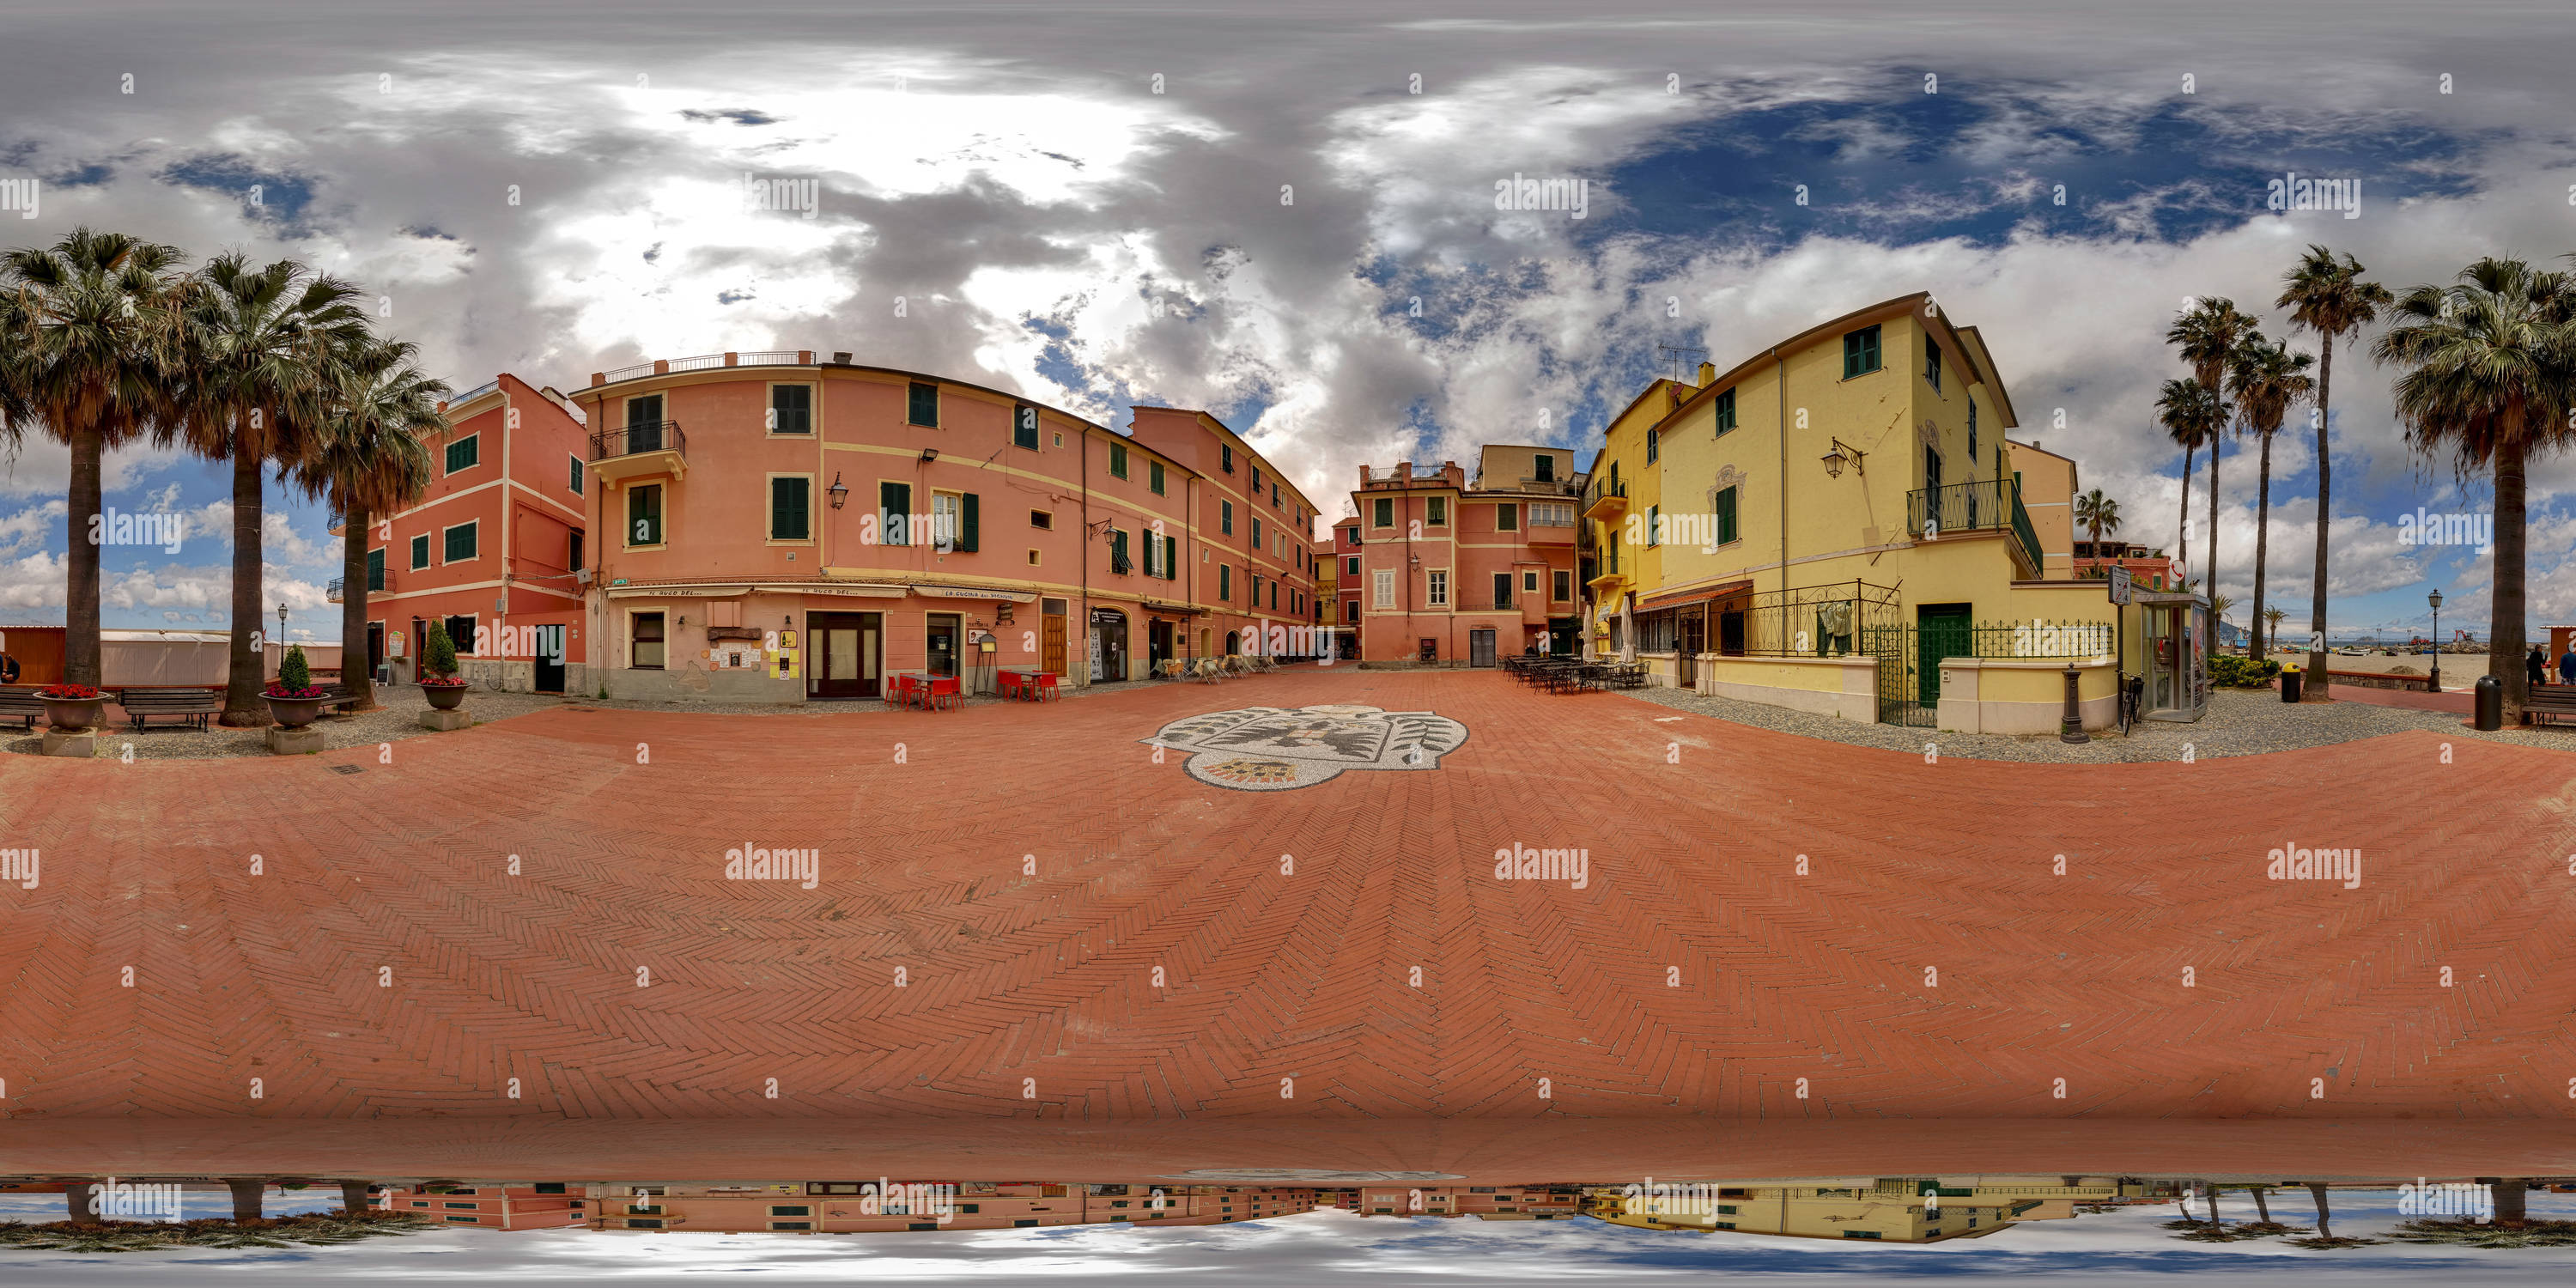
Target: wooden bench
(21, 705)
(189, 706)
(2547, 701)
(341, 698)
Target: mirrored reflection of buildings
(1900, 1209)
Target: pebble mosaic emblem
(1268, 749)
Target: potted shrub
(293, 698)
(439, 681)
(72, 706)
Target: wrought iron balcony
(1987, 505)
(1608, 499)
(640, 449)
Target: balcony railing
(1988, 505)
(376, 585)
(331, 593)
(628, 440)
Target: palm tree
(2208, 334)
(2490, 374)
(2265, 379)
(2272, 619)
(2099, 513)
(369, 458)
(262, 346)
(2331, 299)
(2325, 1216)
(2193, 414)
(83, 362)
(248, 1198)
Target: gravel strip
(2238, 723)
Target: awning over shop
(1687, 598)
(1172, 610)
(976, 592)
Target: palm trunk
(2262, 1206)
(246, 1198)
(354, 671)
(2213, 1206)
(353, 1194)
(2504, 641)
(82, 1196)
(2262, 538)
(2209, 575)
(243, 708)
(2317, 679)
(2325, 1215)
(80, 582)
(2182, 524)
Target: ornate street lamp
(2436, 599)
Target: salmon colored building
(1346, 586)
(1455, 571)
(1488, 1202)
(876, 1207)
(493, 550)
(774, 527)
(544, 1205)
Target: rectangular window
(1118, 561)
(1225, 581)
(1274, 594)
(1351, 566)
(1118, 460)
(644, 409)
(465, 453)
(943, 521)
(459, 541)
(1436, 511)
(788, 505)
(1382, 512)
(894, 510)
(1564, 586)
(647, 642)
(1256, 532)
(1932, 362)
(1436, 588)
(420, 551)
(791, 409)
(1225, 455)
(1726, 516)
(791, 1209)
(1351, 535)
(575, 483)
(1502, 590)
(644, 1223)
(1042, 519)
(1654, 450)
(1725, 407)
(1529, 581)
(1546, 471)
(800, 1225)
(1507, 517)
(1024, 427)
(1256, 482)
(923, 408)
(1972, 437)
(644, 515)
(1860, 352)
(1385, 589)
(1274, 496)
(1654, 525)
(375, 570)
(1154, 476)
(1351, 610)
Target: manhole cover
(347, 769)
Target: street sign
(2120, 584)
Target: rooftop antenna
(1683, 361)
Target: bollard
(2490, 704)
(2071, 729)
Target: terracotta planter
(444, 697)
(74, 713)
(295, 713)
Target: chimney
(1707, 374)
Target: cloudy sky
(1284, 214)
(1334, 1248)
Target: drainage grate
(347, 769)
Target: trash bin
(2490, 704)
(2290, 682)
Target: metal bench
(340, 698)
(189, 706)
(2548, 701)
(21, 705)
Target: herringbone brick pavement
(388, 958)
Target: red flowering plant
(294, 678)
(68, 692)
(438, 660)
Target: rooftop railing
(459, 400)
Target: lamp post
(2436, 599)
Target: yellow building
(1838, 524)
(1919, 1209)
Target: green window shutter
(788, 518)
(1507, 517)
(1171, 558)
(1154, 471)
(576, 475)
(464, 453)
(644, 516)
(1117, 549)
(1024, 426)
(420, 551)
(791, 409)
(969, 521)
(894, 503)
(1384, 516)
(924, 408)
(1225, 581)
(1256, 532)
(1725, 411)
(1860, 352)
(375, 570)
(460, 543)
(1118, 459)
(1726, 516)
(1225, 521)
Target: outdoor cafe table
(1021, 682)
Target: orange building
(778, 528)
(1456, 571)
(492, 550)
(544, 1205)
(1346, 586)
(1488, 1202)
